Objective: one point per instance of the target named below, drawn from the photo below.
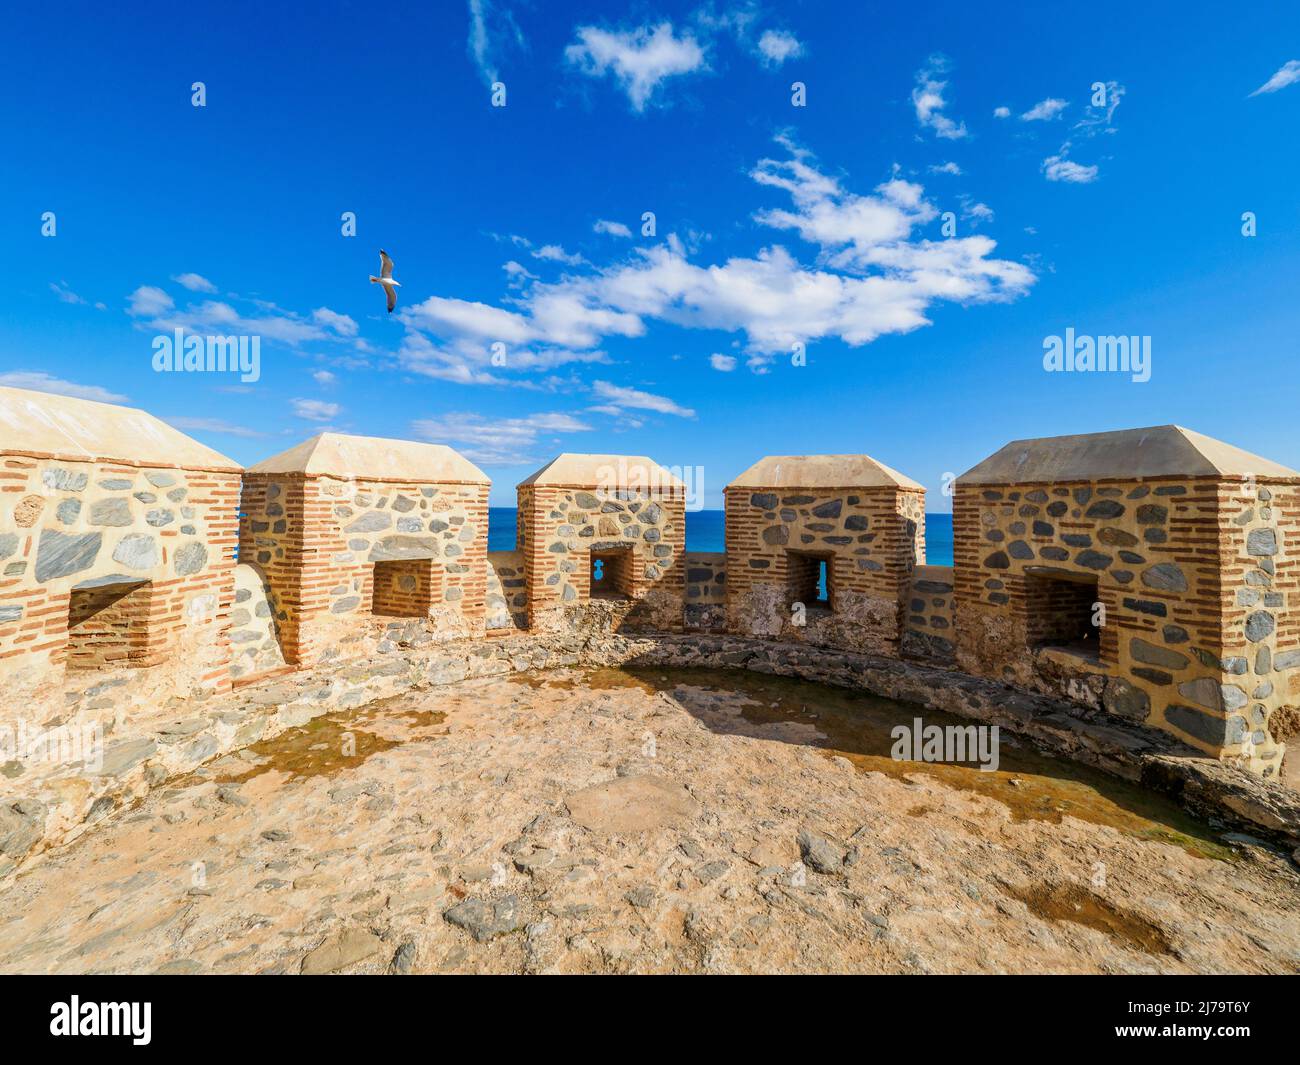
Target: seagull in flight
(385, 278)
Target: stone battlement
(1149, 575)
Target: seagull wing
(386, 265)
(391, 292)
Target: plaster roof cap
(574, 470)
(81, 430)
(822, 471)
(1126, 454)
(341, 455)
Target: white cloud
(556, 254)
(978, 212)
(493, 32)
(620, 397)
(213, 425)
(640, 60)
(339, 323)
(66, 295)
(776, 46)
(1288, 74)
(315, 410)
(324, 378)
(148, 301)
(195, 282)
(1098, 118)
(725, 363)
(876, 274)
(929, 101)
(1045, 110)
(155, 311)
(613, 229)
(1001, 112)
(495, 441)
(947, 168)
(39, 381)
(1058, 168)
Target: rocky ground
(600, 821)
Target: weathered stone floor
(596, 821)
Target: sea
(704, 532)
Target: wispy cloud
(776, 46)
(1098, 119)
(724, 363)
(148, 301)
(496, 441)
(1058, 168)
(64, 291)
(339, 323)
(213, 425)
(947, 168)
(1001, 112)
(929, 102)
(640, 60)
(555, 254)
(195, 282)
(493, 33)
(1045, 110)
(1288, 74)
(156, 311)
(619, 396)
(613, 229)
(314, 410)
(40, 381)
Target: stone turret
(362, 539)
(604, 529)
(821, 549)
(1152, 572)
(116, 554)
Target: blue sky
(775, 225)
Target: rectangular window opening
(810, 580)
(1060, 612)
(611, 572)
(405, 588)
(108, 626)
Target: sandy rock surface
(596, 821)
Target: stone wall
(507, 591)
(706, 591)
(562, 527)
(112, 575)
(871, 538)
(929, 632)
(254, 634)
(40, 808)
(1191, 579)
(318, 539)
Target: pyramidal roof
(822, 471)
(82, 430)
(342, 455)
(1126, 454)
(574, 470)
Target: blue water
(704, 532)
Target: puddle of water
(334, 742)
(577, 679)
(1069, 902)
(1031, 785)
